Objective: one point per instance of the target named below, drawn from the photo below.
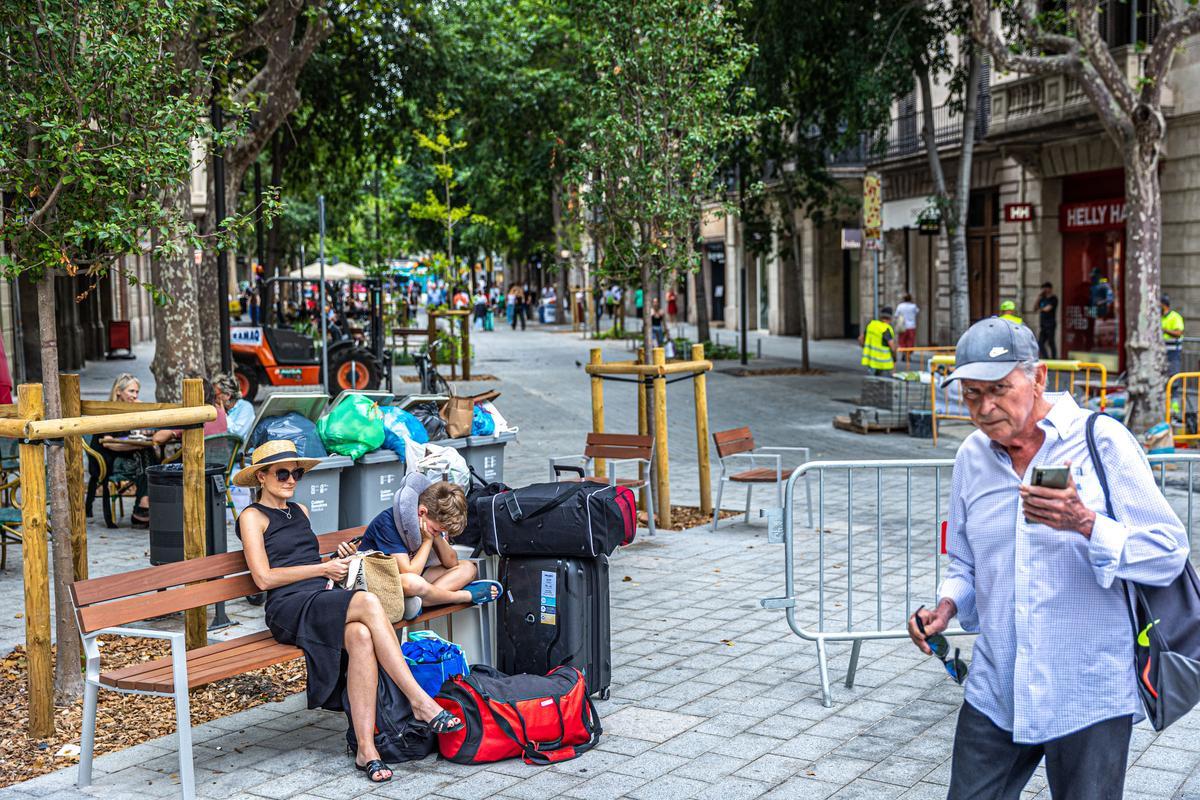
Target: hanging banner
(872, 202)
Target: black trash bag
(293, 426)
(399, 736)
(431, 417)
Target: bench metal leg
(749, 487)
(717, 507)
(650, 500)
(87, 741)
(183, 717)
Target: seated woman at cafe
(239, 413)
(417, 532)
(125, 461)
(345, 634)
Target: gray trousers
(1086, 765)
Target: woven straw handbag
(377, 573)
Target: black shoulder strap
(1098, 464)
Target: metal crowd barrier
(1182, 404)
(897, 554)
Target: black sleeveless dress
(305, 613)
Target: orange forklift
(276, 354)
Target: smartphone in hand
(1052, 477)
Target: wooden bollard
(700, 386)
(196, 619)
(68, 387)
(643, 429)
(662, 486)
(596, 357)
(40, 681)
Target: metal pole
(321, 300)
(259, 241)
(222, 269)
(745, 308)
(875, 294)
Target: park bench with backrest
(103, 606)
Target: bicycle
(430, 379)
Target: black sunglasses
(955, 667)
(282, 475)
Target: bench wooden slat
(612, 451)
(625, 439)
(733, 441)
(142, 607)
(760, 475)
(165, 576)
(227, 659)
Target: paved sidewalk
(713, 697)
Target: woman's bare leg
(366, 609)
(362, 678)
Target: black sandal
(373, 768)
(441, 723)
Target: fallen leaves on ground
(122, 720)
(684, 517)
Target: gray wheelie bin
(369, 486)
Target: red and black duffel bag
(541, 718)
(581, 519)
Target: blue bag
(294, 426)
(399, 425)
(482, 423)
(432, 660)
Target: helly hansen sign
(1018, 212)
(1094, 215)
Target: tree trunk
(178, 352)
(703, 334)
(798, 260)
(1145, 353)
(68, 682)
(960, 300)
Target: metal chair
(738, 443)
(112, 490)
(616, 449)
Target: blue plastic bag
(482, 423)
(399, 425)
(432, 660)
(294, 426)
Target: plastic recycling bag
(400, 427)
(353, 428)
(293, 426)
(482, 423)
(430, 417)
(439, 463)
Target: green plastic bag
(353, 428)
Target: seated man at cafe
(416, 531)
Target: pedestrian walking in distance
(1039, 573)
(1047, 306)
(906, 321)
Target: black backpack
(399, 736)
(481, 490)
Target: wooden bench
(615, 448)
(104, 605)
(738, 443)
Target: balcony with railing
(904, 136)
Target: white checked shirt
(1055, 651)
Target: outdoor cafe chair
(738, 444)
(617, 449)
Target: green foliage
(96, 126)
(660, 108)
(712, 352)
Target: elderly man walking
(1038, 573)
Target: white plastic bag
(442, 463)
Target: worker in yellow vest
(1008, 311)
(1172, 330)
(879, 344)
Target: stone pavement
(712, 696)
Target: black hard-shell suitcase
(554, 612)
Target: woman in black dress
(345, 635)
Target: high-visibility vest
(1172, 321)
(875, 353)
(1013, 318)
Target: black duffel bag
(552, 519)
(480, 493)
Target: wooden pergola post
(40, 682)
(700, 387)
(194, 523)
(72, 406)
(596, 357)
(662, 486)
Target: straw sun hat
(268, 453)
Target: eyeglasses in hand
(956, 667)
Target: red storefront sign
(1093, 215)
(1018, 212)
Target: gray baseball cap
(990, 349)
